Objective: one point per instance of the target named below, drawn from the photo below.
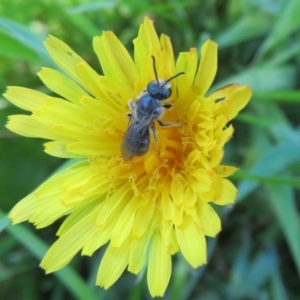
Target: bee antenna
(178, 74)
(154, 68)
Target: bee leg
(152, 128)
(169, 124)
(132, 107)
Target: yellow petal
(104, 111)
(117, 95)
(225, 171)
(159, 267)
(191, 242)
(92, 148)
(200, 181)
(168, 70)
(95, 183)
(103, 234)
(56, 182)
(211, 223)
(24, 98)
(124, 225)
(59, 111)
(113, 264)
(166, 46)
(168, 236)
(92, 81)
(225, 192)
(216, 156)
(177, 191)
(138, 250)
(78, 133)
(115, 59)
(143, 219)
(151, 36)
(223, 91)
(178, 214)
(72, 197)
(67, 59)
(73, 219)
(234, 102)
(49, 212)
(28, 126)
(207, 68)
(24, 209)
(62, 85)
(64, 249)
(113, 201)
(223, 135)
(145, 45)
(187, 63)
(190, 197)
(167, 207)
(193, 111)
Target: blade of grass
(279, 96)
(91, 7)
(67, 276)
(287, 22)
(278, 290)
(25, 36)
(10, 47)
(184, 291)
(290, 51)
(291, 181)
(254, 120)
(263, 78)
(251, 276)
(248, 27)
(283, 202)
(269, 164)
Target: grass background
(257, 254)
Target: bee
(147, 109)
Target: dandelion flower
(147, 208)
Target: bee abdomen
(143, 147)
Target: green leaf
(67, 276)
(280, 180)
(275, 160)
(25, 36)
(254, 120)
(279, 96)
(12, 48)
(91, 7)
(257, 276)
(247, 276)
(263, 78)
(182, 289)
(4, 222)
(287, 22)
(278, 290)
(290, 51)
(249, 26)
(283, 202)
(280, 125)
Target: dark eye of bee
(159, 92)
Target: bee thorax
(148, 106)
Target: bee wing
(135, 133)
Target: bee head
(159, 89)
